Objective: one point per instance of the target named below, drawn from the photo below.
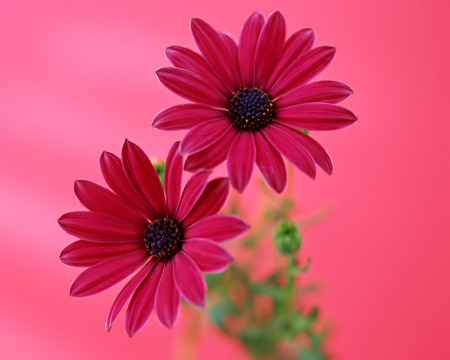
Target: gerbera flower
(169, 237)
(250, 100)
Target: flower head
(168, 237)
(250, 99)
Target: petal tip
(195, 22)
(276, 13)
(281, 188)
(127, 144)
(61, 221)
(108, 326)
(105, 156)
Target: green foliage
(304, 131)
(267, 314)
(160, 167)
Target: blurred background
(77, 78)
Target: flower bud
(287, 238)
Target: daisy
(250, 100)
(168, 236)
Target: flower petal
(185, 116)
(216, 227)
(143, 300)
(106, 274)
(126, 292)
(189, 60)
(211, 201)
(212, 156)
(232, 51)
(209, 256)
(115, 177)
(86, 253)
(167, 297)
(99, 199)
(143, 177)
(247, 45)
(241, 159)
(291, 149)
(299, 43)
(172, 177)
(213, 49)
(191, 193)
(317, 152)
(269, 47)
(102, 228)
(204, 135)
(189, 279)
(316, 116)
(191, 86)
(325, 91)
(303, 69)
(270, 163)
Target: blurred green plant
(267, 315)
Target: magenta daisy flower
(168, 237)
(251, 99)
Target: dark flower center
(251, 109)
(163, 238)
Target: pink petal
(299, 43)
(209, 256)
(269, 47)
(172, 177)
(126, 292)
(270, 163)
(212, 156)
(247, 45)
(185, 116)
(204, 135)
(211, 201)
(191, 193)
(116, 179)
(98, 199)
(106, 274)
(143, 177)
(96, 227)
(143, 300)
(216, 227)
(320, 91)
(191, 86)
(317, 152)
(232, 51)
(316, 116)
(291, 149)
(189, 60)
(303, 69)
(213, 49)
(189, 279)
(240, 161)
(167, 297)
(86, 253)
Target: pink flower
(250, 99)
(169, 237)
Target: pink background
(77, 78)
